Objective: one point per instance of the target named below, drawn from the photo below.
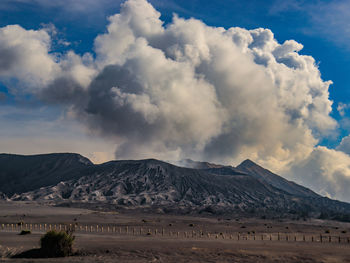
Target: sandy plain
(173, 238)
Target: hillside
(155, 184)
(277, 181)
(20, 173)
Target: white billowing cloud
(188, 90)
(219, 94)
(326, 171)
(342, 107)
(24, 55)
(136, 19)
(344, 145)
(27, 63)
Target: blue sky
(67, 83)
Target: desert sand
(173, 238)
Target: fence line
(169, 233)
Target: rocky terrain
(154, 184)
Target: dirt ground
(184, 238)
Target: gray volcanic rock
(20, 173)
(153, 184)
(249, 167)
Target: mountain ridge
(261, 173)
(20, 173)
(152, 183)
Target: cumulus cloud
(24, 56)
(327, 171)
(204, 91)
(26, 61)
(342, 107)
(183, 90)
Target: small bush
(25, 232)
(191, 225)
(344, 231)
(327, 231)
(57, 244)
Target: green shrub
(25, 232)
(57, 244)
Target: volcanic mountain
(20, 173)
(151, 183)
